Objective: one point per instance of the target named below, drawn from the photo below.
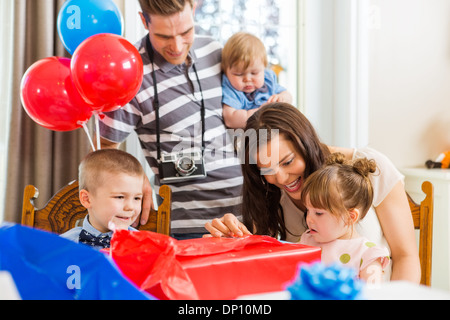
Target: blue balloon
(81, 19)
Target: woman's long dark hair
(261, 207)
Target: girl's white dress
(356, 253)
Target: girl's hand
(372, 274)
(227, 226)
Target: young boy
(247, 83)
(111, 183)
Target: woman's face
(282, 165)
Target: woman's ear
(85, 198)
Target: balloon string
(89, 136)
(97, 130)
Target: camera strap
(156, 103)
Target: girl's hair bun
(362, 166)
(336, 158)
(365, 166)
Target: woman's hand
(227, 226)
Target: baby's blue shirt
(238, 99)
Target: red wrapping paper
(208, 268)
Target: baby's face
(116, 202)
(247, 80)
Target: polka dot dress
(355, 253)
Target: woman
(281, 154)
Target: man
(185, 104)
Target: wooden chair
(64, 211)
(423, 220)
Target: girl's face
(282, 166)
(247, 80)
(324, 226)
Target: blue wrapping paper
(320, 282)
(45, 266)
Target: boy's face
(247, 80)
(118, 201)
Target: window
(273, 21)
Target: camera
(180, 167)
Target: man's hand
(147, 204)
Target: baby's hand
(284, 96)
(276, 98)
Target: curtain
(46, 159)
(6, 8)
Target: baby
(336, 198)
(111, 183)
(247, 83)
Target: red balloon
(108, 71)
(50, 97)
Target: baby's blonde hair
(341, 186)
(107, 160)
(243, 48)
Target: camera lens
(185, 166)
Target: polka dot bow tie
(93, 241)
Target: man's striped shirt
(193, 202)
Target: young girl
(247, 83)
(337, 197)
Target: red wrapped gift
(208, 268)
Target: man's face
(172, 36)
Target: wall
(336, 70)
(377, 72)
(408, 74)
(318, 66)
(409, 95)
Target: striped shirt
(197, 201)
